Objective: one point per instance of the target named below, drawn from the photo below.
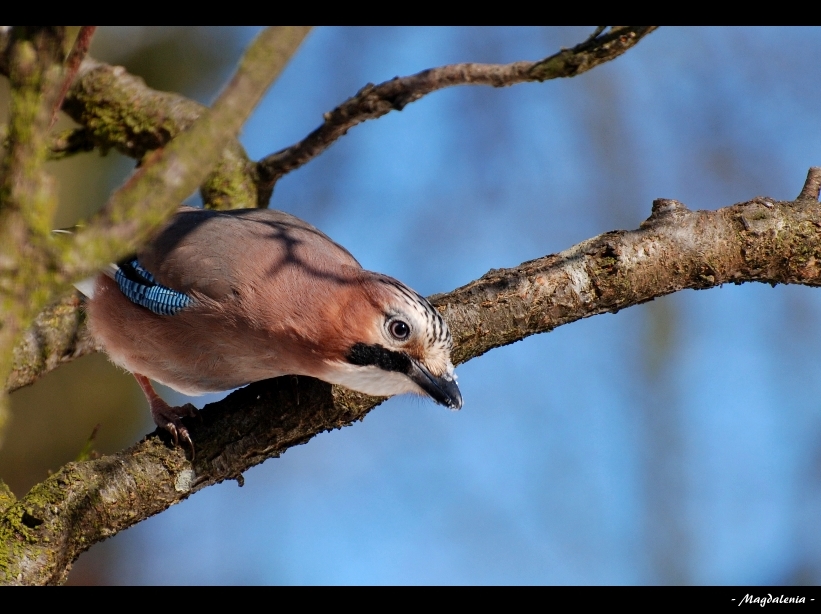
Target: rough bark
(58, 335)
(762, 240)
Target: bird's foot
(170, 419)
(167, 417)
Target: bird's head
(402, 345)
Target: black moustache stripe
(364, 355)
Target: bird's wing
(218, 253)
(140, 287)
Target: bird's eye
(399, 329)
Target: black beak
(441, 389)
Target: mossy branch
(57, 336)
(119, 111)
(168, 175)
(27, 198)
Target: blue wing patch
(141, 288)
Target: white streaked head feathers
(429, 335)
(405, 347)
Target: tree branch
(118, 110)
(75, 58)
(169, 175)
(373, 101)
(58, 335)
(27, 197)
(674, 249)
(121, 112)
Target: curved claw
(170, 418)
(187, 438)
(167, 417)
(172, 428)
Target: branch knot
(663, 207)
(812, 185)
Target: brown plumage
(270, 295)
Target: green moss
(121, 112)
(232, 185)
(6, 497)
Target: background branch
(72, 65)
(374, 101)
(674, 249)
(119, 111)
(57, 336)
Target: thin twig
(75, 58)
(596, 32)
(374, 101)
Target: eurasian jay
(220, 299)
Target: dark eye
(399, 330)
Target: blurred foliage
(53, 419)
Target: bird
(221, 299)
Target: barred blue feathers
(139, 287)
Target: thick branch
(121, 112)
(675, 249)
(373, 101)
(762, 240)
(58, 335)
(118, 110)
(27, 199)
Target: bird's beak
(442, 389)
